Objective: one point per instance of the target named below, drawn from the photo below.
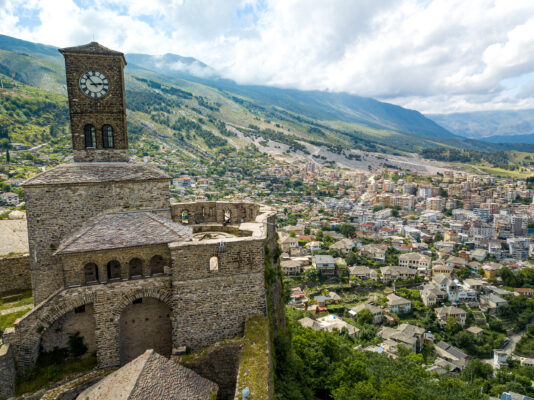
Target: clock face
(94, 84)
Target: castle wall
(7, 371)
(81, 320)
(55, 211)
(15, 274)
(212, 305)
(214, 212)
(145, 325)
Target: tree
(351, 258)
(5, 145)
(311, 275)
(477, 369)
(346, 229)
(364, 317)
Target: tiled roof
(90, 48)
(96, 172)
(151, 376)
(113, 231)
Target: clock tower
(95, 86)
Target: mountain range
(197, 98)
(499, 126)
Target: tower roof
(151, 376)
(129, 229)
(84, 173)
(91, 48)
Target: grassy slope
(208, 106)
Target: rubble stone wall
(214, 304)
(55, 211)
(7, 372)
(214, 211)
(15, 274)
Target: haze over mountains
(501, 126)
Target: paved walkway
(15, 309)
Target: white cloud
(435, 56)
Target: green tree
(5, 145)
(364, 317)
(351, 258)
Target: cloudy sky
(430, 55)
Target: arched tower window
(227, 216)
(156, 265)
(136, 267)
(90, 272)
(107, 136)
(90, 136)
(114, 270)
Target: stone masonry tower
(95, 84)
(102, 180)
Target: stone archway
(144, 324)
(78, 321)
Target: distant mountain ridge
(507, 126)
(161, 90)
(313, 104)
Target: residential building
(378, 313)
(452, 354)
(325, 264)
(415, 261)
(444, 313)
(398, 305)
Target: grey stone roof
(456, 352)
(113, 231)
(151, 376)
(323, 259)
(96, 172)
(91, 48)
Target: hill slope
(180, 103)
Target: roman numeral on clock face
(94, 84)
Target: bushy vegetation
(325, 365)
(55, 365)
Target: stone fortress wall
(190, 304)
(56, 210)
(15, 274)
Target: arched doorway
(145, 324)
(78, 322)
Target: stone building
(112, 259)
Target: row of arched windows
(113, 269)
(90, 136)
(227, 216)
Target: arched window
(114, 270)
(136, 267)
(107, 136)
(227, 216)
(185, 217)
(156, 265)
(214, 264)
(90, 136)
(90, 272)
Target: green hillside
(203, 117)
